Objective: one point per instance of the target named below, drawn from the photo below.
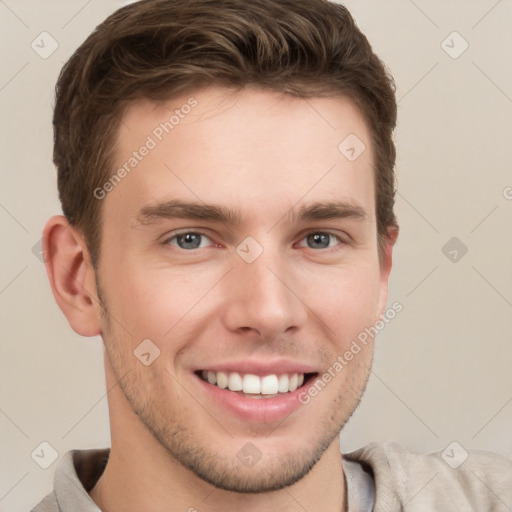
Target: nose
(262, 298)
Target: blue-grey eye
(189, 240)
(320, 240)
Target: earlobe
(71, 275)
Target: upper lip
(260, 367)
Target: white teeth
(253, 384)
(235, 382)
(283, 383)
(294, 380)
(222, 380)
(269, 385)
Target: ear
(71, 275)
(386, 262)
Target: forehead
(238, 114)
(245, 148)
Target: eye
(320, 240)
(188, 241)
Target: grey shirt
(381, 477)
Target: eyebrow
(178, 209)
(328, 210)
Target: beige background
(443, 366)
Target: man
(226, 172)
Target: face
(243, 245)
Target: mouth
(254, 386)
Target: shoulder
(451, 479)
(77, 472)
(48, 504)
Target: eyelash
(167, 241)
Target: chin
(262, 476)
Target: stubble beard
(223, 471)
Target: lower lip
(258, 410)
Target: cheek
(157, 302)
(350, 302)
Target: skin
(261, 154)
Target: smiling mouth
(255, 386)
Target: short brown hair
(159, 49)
